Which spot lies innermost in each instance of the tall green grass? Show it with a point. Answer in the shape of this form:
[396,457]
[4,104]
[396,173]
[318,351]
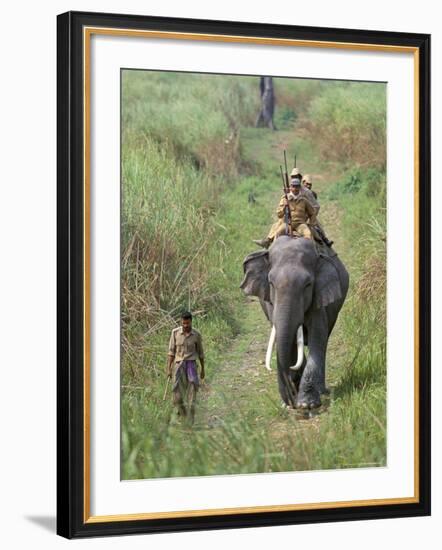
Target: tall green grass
[361,385]
[196,116]
[347,122]
[180,150]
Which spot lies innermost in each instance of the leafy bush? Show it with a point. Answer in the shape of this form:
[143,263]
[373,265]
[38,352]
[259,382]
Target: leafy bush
[284,117]
[371,182]
[348,124]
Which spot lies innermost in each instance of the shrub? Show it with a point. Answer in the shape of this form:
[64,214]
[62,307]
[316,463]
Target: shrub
[371,182]
[348,124]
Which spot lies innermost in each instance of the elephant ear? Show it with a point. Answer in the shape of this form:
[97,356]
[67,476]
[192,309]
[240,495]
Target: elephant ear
[327,284]
[256,270]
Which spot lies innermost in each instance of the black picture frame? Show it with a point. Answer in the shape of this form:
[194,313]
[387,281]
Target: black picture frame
[71,518]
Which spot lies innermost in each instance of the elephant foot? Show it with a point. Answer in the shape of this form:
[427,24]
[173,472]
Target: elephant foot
[308,400]
[324,390]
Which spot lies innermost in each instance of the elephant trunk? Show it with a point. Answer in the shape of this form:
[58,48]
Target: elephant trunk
[284,343]
[286,329]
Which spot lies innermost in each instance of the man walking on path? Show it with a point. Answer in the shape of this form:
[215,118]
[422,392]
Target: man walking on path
[185,347]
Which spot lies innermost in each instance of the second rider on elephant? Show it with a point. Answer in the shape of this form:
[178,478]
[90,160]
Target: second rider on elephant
[301,211]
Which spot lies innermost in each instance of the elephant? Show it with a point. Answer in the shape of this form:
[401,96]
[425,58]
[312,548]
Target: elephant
[301,292]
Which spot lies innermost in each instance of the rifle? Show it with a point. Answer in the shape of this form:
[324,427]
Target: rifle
[286,175]
[287,213]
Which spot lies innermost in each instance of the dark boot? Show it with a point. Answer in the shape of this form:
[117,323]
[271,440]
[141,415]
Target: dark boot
[322,235]
[327,242]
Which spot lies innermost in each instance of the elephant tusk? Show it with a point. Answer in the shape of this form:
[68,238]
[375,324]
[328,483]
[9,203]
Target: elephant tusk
[270,347]
[300,340]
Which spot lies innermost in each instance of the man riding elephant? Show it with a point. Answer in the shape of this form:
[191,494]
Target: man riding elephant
[301,213]
[305,191]
[307,182]
[312,197]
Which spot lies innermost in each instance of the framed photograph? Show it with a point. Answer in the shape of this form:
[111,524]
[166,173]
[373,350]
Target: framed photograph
[243,274]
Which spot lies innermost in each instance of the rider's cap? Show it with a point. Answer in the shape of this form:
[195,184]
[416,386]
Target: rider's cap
[307,179]
[295,172]
[295,182]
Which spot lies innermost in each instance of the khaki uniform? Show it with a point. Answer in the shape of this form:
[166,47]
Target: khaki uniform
[313,199]
[308,194]
[316,229]
[301,211]
[308,181]
[185,346]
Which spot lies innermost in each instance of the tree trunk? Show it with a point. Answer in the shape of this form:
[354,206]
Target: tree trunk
[265,117]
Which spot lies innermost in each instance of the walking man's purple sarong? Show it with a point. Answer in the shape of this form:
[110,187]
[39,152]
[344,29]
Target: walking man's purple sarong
[186,372]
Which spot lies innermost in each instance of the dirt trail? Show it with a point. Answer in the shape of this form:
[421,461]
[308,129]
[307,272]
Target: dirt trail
[241,386]
[241,375]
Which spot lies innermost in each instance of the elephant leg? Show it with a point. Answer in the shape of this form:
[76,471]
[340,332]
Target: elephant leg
[321,370]
[313,378]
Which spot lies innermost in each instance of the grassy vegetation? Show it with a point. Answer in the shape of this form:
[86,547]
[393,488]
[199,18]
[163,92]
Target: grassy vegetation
[361,388]
[191,160]
[180,151]
[348,123]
